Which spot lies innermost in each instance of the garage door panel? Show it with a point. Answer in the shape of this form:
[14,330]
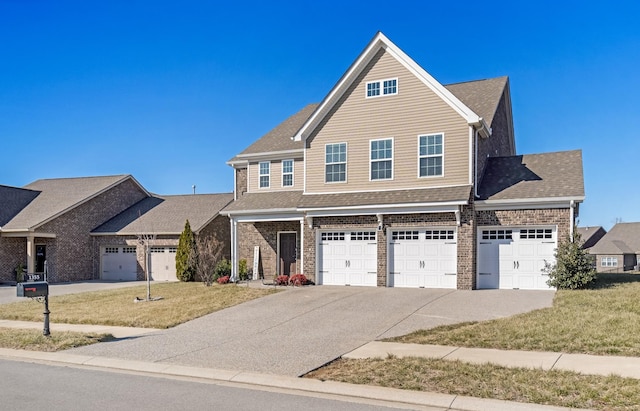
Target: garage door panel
[348,258]
[119,263]
[422,258]
[514,257]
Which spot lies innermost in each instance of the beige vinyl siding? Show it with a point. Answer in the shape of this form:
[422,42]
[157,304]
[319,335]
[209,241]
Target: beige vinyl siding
[414,111]
[275,180]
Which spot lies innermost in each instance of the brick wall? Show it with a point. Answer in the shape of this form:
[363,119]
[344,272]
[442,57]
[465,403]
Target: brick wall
[264,235]
[70,255]
[559,217]
[241,181]
[13,251]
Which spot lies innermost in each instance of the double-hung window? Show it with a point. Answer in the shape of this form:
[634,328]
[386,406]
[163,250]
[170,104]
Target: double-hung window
[430,154]
[381,158]
[265,167]
[287,173]
[335,163]
[382,87]
[609,262]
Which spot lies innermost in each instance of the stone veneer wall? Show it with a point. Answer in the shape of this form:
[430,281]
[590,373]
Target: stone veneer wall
[264,235]
[70,255]
[241,181]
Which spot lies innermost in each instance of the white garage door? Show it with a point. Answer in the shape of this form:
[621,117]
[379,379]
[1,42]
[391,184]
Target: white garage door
[347,258]
[423,258]
[118,263]
[515,257]
[163,263]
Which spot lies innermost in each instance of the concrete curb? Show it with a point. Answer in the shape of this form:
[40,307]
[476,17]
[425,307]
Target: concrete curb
[252,379]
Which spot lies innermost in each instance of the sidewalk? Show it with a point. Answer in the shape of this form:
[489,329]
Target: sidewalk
[292,385]
[117,332]
[581,363]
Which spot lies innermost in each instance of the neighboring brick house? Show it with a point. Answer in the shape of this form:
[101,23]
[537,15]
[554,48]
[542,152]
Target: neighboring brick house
[75,226]
[619,249]
[396,180]
[590,236]
[160,220]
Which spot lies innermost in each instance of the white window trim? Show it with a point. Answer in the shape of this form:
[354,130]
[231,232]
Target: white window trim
[610,262]
[260,175]
[381,87]
[291,173]
[371,161]
[430,156]
[346,161]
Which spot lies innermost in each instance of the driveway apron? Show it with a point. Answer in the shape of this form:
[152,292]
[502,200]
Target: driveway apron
[300,329]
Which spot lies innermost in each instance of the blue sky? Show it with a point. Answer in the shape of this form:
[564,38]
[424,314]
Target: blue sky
[169,91]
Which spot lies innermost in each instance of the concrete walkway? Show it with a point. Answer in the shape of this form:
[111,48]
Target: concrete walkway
[581,363]
[117,332]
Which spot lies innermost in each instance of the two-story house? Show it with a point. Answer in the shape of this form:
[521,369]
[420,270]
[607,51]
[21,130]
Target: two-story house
[396,180]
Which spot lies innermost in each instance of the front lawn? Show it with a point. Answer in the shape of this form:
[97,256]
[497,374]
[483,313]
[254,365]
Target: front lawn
[559,388]
[602,321]
[180,303]
[33,340]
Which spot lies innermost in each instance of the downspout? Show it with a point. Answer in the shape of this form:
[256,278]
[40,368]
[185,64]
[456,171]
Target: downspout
[475,166]
[572,206]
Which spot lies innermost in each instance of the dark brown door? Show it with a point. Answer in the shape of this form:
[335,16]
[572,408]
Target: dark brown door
[288,253]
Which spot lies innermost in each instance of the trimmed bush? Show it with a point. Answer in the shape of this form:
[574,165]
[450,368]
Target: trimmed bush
[573,268]
[282,280]
[223,280]
[223,269]
[298,280]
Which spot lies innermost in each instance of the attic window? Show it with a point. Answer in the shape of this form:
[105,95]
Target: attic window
[382,87]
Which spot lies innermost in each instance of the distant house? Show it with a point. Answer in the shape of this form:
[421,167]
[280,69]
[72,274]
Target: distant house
[619,249]
[87,228]
[590,235]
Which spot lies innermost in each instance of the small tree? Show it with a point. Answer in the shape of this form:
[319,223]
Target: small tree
[186,255]
[573,268]
[209,251]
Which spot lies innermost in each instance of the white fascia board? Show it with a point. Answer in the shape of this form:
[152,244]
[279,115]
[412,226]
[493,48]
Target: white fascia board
[377,209]
[238,163]
[378,42]
[524,203]
[270,211]
[253,218]
[26,233]
[272,155]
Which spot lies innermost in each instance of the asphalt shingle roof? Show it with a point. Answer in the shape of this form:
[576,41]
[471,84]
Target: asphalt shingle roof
[623,238]
[415,196]
[275,200]
[481,96]
[533,176]
[166,214]
[12,201]
[56,196]
[590,235]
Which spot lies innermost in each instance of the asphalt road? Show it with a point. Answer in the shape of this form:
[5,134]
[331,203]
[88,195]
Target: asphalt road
[300,329]
[29,386]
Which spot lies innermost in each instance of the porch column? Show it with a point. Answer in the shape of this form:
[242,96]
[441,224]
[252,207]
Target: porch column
[31,254]
[234,249]
[301,266]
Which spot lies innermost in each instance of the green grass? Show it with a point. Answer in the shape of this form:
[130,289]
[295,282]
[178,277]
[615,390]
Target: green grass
[602,321]
[180,302]
[33,340]
[559,388]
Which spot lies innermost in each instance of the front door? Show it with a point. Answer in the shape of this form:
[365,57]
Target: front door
[288,257]
[41,257]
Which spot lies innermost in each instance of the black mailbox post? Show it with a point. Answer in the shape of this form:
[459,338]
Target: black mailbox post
[39,289]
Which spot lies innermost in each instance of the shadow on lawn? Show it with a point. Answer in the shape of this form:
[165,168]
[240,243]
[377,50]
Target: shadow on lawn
[609,280]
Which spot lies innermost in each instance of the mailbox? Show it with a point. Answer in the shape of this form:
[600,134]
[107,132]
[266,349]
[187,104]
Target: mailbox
[33,289]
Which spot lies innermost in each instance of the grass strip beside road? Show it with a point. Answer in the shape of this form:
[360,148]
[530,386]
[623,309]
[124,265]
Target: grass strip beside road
[559,388]
[601,321]
[181,302]
[33,340]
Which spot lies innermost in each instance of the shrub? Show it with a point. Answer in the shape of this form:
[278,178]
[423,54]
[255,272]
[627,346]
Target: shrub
[298,280]
[186,255]
[223,269]
[242,269]
[573,268]
[223,280]
[282,280]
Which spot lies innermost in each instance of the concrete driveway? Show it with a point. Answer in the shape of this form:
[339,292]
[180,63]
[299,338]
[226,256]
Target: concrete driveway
[300,329]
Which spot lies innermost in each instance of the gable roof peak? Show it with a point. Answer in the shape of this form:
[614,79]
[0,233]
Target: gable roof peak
[378,42]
